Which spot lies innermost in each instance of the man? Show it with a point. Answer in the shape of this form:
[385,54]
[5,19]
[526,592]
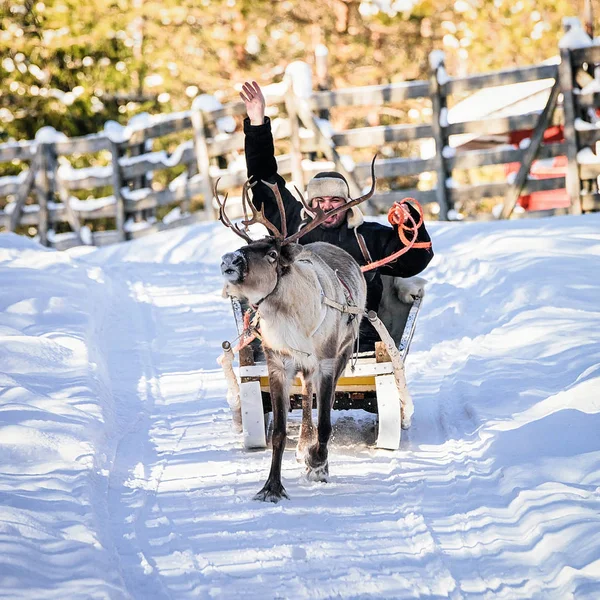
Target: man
[364,241]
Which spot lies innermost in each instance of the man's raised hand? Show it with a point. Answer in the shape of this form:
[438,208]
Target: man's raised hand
[254,100]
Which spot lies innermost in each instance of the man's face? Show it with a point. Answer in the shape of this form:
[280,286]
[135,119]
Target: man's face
[328,203]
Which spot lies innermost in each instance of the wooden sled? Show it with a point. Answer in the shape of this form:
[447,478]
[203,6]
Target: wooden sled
[375,382]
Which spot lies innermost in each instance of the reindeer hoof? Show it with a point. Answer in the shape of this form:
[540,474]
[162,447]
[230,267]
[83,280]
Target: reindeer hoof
[318,474]
[271,492]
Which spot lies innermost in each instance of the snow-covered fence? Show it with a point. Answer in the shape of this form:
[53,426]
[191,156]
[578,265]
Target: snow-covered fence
[207,146]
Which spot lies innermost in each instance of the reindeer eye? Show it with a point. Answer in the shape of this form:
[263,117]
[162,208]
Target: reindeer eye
[272,255]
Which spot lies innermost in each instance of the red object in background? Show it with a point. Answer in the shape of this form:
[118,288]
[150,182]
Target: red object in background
[542,169]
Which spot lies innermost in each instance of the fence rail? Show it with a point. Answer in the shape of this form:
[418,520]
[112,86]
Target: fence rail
[126,189]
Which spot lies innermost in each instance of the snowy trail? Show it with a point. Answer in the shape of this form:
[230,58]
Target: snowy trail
[495,492]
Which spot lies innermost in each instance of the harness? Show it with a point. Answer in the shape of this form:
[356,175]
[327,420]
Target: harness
[251,329]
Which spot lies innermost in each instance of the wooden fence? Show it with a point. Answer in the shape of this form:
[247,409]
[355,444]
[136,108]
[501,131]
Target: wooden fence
[42,199]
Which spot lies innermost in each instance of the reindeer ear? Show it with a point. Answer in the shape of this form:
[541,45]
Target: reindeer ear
[289,252]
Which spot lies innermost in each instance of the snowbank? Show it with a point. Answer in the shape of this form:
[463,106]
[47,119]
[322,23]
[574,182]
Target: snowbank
[122,477]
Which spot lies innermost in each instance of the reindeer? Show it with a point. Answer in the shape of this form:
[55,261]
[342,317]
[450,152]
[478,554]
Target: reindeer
[310,300]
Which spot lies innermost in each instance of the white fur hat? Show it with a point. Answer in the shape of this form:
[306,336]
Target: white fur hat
[331,183]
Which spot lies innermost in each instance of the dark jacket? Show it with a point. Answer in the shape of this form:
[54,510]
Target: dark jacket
[381,240]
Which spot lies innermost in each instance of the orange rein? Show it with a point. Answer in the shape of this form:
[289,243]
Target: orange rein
[397,216]
[249,334]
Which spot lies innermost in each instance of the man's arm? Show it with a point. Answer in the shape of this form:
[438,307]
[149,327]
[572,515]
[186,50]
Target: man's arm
[383,241]
[260,159]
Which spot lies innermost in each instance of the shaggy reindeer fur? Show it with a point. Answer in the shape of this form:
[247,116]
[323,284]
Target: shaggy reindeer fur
[300,334]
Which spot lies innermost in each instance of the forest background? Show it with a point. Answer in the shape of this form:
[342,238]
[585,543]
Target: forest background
[74,64]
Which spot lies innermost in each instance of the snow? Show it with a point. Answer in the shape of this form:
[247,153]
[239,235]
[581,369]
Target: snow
[300,75]
[444,117]
[587,157]
[68,173]
[209,103]
[581,125]
[160,157]
[49,135]
[121,476]
[436,59]
[575,37]
[593,87]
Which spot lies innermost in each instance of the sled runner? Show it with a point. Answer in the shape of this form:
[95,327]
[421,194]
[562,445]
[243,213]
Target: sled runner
[372,381]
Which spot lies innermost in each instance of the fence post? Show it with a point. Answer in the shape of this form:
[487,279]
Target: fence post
[322,74]
[299,78]
[24,190]
[117,183]
[44,179]
[439,123]
[203,159]
[566,78]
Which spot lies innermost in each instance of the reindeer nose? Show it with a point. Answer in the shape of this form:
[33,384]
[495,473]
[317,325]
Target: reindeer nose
[232,263]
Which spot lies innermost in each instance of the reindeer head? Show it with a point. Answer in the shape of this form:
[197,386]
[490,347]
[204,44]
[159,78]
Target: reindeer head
[254,270]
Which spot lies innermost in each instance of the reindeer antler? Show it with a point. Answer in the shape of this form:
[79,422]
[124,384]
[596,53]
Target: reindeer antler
[258,216]
[223,215]
[321,215]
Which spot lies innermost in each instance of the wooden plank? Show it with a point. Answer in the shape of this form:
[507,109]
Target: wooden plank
[489,190]
[43,192]
[384,200]
[22,194]
[590,202]
[87,144]
[530,153]
[235,109]
[11,184]
[70,215]
[203,161]
[232,143]
[458,85]
[91,177]
[17,151]
[291,107]
[587,137]
[174,123]
[154,198]
[544,185]
[536,214]
[395,167]
[155,161]
[4,220]
[566,78]
[585,55]
[371,95]
[590,100]
[589,170]
[470,159]
[492,125]
[363,137]
[197,217]
[58,212]
[117,184]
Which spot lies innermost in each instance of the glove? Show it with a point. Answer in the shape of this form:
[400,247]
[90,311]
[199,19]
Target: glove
[398,213]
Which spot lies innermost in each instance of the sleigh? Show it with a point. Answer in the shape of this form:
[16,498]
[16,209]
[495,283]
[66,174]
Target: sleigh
[373,382]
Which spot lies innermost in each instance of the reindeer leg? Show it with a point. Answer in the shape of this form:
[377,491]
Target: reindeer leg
[281,371]
[307,429]
[316,461]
